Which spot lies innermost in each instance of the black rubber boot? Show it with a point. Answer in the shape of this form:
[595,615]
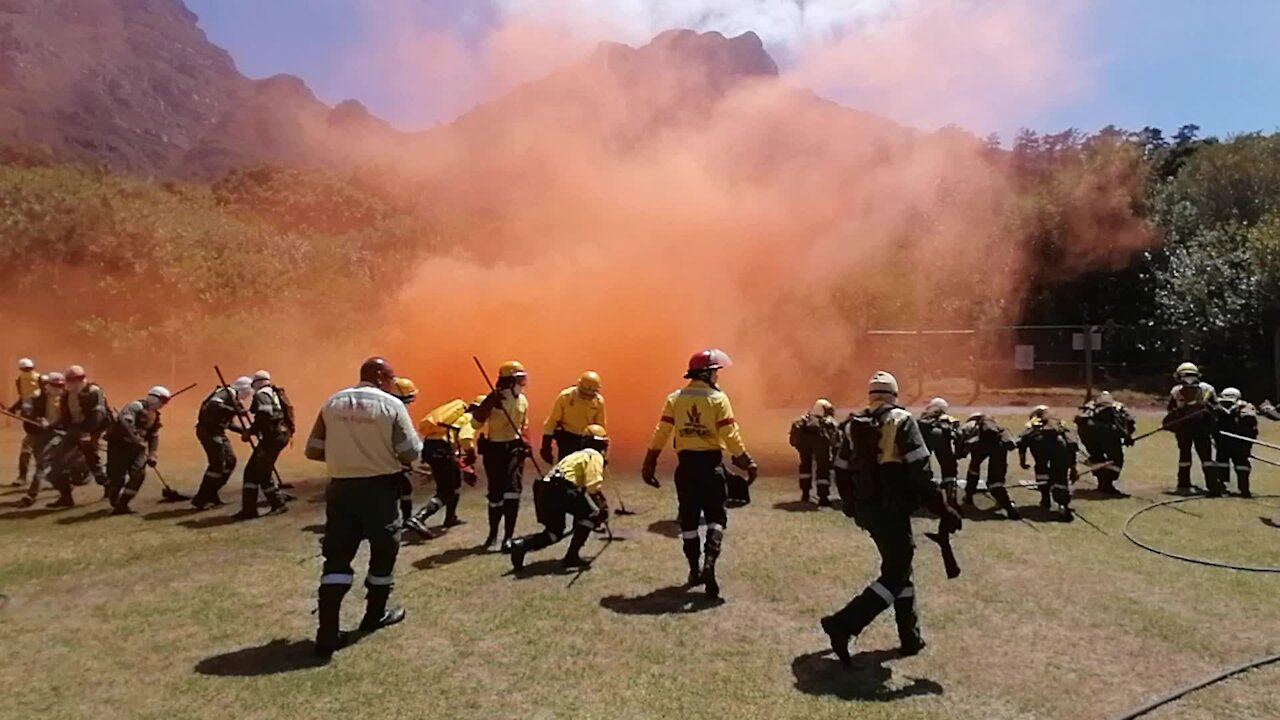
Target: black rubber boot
[121,508]
[26,501]
[573,556]
[329,637]
[693,553]
[709,580]
[839,638]
[804,496]
[416,525]
[451,518]
[510,514]
[1242,479]
[376,613]
[495,518]
[518,550]
[64,501]
[248,505]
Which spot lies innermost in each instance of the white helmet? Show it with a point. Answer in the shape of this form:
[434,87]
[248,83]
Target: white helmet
[1231,395]
[160,392]
[260,378]
[26,364]
[822,408]
[883,383]
[939,404]
[1105,399]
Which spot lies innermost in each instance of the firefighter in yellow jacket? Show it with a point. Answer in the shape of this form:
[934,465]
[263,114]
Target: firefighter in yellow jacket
[575,487]
[449,449]
[576,409]
[28,386]
[504,418]
[702,421]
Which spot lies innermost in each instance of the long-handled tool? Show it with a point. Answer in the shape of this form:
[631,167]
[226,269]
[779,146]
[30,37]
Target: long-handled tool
[607,542]
[168,494]
[19,418]
[514,428]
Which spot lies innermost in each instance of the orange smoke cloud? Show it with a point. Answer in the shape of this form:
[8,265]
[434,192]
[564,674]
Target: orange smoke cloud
[646,204]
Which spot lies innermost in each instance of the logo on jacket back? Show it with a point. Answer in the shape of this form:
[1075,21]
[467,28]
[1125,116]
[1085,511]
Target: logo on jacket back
[694,426]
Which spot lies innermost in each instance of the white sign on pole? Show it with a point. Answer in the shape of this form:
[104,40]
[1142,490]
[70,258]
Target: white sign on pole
[1024,357]
[1077,341]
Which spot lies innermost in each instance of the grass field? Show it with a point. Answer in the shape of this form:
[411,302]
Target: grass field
[177,614]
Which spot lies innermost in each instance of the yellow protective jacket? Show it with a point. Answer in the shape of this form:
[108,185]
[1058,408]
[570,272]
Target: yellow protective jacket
[497,428]
[701,418]
[450,422]
[28,384]
[584,468]
[573,413]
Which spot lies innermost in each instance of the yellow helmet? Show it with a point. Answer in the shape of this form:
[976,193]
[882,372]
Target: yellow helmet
[596,438]
[1186,368]
[448,414]
[589,383]
[512,368]
[403,388]
[479,399]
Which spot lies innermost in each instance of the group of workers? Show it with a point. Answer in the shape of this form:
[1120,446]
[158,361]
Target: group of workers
[67,419]
[879,460]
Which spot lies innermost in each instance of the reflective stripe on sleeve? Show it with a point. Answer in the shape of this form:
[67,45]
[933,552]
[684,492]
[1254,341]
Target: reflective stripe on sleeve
[511,496]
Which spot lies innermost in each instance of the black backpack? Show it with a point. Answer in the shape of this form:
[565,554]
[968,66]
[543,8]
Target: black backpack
[286,407]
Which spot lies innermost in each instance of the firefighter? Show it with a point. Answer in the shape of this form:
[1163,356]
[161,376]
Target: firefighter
[702,421]
[813,435]
[27,385]
[503,415]
[576,408]
[1235,416]
[1106,428]
[1268,411]
[83,418]
[1190,404]
[575,486]
[272,424]
[982,439]
[940,432]
[365,437]
[46,409]
[883,458]
[1054,449]
[132,443]
[217,411]
[404,390]
[449,449]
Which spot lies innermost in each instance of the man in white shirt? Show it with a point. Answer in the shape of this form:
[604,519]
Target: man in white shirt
[365,437]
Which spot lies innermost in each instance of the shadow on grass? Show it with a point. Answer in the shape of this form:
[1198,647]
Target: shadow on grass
[87,517]
[314,528]
[14,490]
[665,528]
[171,514]
[1194,491]
[796,506]
[541,568]
[210,521]
[449,557]
[673,600]
[867,678]
[29,513]
[275,657]
[1269,522]
[1092,494]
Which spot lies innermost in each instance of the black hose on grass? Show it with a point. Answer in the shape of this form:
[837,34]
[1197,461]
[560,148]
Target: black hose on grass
[1199,685]
[1187,558]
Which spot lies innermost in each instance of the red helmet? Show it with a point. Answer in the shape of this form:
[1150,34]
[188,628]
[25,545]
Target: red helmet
[710,359]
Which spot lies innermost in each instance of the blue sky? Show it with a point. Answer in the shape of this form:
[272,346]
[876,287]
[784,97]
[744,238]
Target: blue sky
[1149,62]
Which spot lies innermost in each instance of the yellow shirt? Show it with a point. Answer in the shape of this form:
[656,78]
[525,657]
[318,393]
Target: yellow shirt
[585,469]
[499,429]
[52,408]
[702,419]
[28,384]
[573,413]
[451,422]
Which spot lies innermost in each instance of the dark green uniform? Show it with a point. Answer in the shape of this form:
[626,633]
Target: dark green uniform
[216,413]
[1105,429]
[75,438]
[1238,418]
[1054,449]
[882,468]
[132,442]
[984,440]
[941,432]
[271,426]
[1189,406]
[814,439]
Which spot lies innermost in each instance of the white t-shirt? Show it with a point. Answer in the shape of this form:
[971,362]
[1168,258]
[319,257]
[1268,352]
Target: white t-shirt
[363,432]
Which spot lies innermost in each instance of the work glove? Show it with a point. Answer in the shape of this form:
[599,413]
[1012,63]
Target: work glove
[649,471]
[949,519]
[469,477]
[753,472]
[547,455]
[246,436]
[1128,441]
[469,457]
[151,462]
